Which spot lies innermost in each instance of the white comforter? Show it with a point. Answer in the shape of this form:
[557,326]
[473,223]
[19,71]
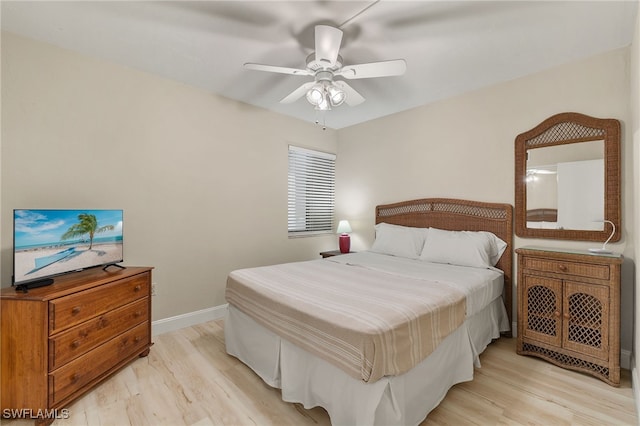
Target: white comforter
[480,286]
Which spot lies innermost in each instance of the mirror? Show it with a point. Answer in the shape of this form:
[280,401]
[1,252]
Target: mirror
[556,180]
[568,179]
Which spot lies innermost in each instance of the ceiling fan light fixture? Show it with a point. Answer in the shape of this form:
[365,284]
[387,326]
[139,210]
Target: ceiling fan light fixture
[315,95]
[336,95]
[324,104]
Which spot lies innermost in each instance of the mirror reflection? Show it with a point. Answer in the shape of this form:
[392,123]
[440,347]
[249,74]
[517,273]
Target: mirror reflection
[565,186]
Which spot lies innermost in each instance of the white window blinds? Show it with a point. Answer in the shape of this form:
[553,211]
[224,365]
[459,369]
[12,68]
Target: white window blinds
[311,191]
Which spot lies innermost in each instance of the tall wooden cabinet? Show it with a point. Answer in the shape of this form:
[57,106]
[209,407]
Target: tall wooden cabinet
[569,309]
[59,341]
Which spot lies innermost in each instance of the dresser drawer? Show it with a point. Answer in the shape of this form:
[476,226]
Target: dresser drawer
[74,342]
[568,268]
[68,311]
[82,371]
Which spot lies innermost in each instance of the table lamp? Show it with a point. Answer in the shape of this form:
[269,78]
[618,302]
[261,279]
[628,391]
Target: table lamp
[345,241]
[604,249]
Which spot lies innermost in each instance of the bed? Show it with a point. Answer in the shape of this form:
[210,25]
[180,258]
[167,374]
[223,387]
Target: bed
[543,218]
[379,337]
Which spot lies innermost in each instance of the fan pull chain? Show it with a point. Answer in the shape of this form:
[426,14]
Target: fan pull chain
[319,115]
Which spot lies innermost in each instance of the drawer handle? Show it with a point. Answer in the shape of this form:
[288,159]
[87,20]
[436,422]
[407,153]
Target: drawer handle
[76,310]
[137,288]
[75,378]
[136,339]
[102,323]
[137,314]
[563,268]
[75,344]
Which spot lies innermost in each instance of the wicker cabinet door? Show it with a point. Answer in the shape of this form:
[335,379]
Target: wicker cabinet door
[586,312]
[543,309]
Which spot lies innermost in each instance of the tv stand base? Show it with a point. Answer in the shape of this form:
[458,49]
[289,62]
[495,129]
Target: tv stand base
[34,284]
[113,264]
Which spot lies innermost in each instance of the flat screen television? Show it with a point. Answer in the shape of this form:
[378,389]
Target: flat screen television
[47,243]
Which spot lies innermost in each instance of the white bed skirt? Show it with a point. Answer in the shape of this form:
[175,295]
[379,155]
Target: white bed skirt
[398,400]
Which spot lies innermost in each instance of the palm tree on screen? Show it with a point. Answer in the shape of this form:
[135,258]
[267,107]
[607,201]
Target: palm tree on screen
[88,224]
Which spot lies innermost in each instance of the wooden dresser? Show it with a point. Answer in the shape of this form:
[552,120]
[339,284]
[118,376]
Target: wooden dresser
[59,341]
[569,309]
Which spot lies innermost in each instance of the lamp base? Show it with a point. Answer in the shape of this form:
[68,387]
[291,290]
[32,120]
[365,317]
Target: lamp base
[600,251]
[345,243]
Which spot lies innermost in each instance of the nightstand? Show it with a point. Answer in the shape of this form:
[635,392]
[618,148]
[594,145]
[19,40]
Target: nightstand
[331,253]
[569,309]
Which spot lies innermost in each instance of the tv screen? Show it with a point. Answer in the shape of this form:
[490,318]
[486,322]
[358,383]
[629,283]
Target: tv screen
[53,242]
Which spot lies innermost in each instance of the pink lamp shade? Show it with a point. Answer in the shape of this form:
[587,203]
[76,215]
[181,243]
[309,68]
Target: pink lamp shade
[344,241]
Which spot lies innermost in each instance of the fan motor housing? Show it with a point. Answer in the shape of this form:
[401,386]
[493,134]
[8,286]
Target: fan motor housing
[318,66]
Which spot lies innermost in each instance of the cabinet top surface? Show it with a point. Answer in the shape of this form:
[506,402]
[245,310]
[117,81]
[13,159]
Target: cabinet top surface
[534,249]
[72,282]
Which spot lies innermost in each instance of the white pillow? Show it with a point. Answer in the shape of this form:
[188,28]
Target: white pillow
[480,249]
[396,240]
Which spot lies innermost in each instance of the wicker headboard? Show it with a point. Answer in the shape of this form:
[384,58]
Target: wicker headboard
[459,215]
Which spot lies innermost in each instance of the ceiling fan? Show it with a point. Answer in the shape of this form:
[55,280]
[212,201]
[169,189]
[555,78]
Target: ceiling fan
[326,63]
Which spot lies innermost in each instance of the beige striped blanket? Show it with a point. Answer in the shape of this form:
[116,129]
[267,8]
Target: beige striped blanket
[368,323]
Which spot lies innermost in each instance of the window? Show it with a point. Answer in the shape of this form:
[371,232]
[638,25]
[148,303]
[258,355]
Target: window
[311,187]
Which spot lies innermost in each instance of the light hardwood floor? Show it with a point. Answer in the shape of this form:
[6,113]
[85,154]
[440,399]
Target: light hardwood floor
[188,379]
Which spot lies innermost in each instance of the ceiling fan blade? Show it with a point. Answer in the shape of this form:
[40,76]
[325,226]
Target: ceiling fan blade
[353,98]
[374,69]
[328,40]
[273,68]
[298,93]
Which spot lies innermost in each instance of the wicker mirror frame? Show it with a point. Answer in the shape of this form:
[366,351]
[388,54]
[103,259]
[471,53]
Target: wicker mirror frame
[562,129]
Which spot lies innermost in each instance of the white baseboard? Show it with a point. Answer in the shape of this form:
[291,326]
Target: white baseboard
[187,320]
[625,359]
[198,317]
[635,385]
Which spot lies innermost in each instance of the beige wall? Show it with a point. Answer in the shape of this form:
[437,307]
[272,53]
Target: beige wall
[463,147]
[202,179]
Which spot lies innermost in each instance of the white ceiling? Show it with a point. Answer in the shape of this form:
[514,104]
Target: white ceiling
[450,47]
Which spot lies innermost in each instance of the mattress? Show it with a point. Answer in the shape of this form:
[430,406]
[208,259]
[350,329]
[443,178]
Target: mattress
[371,315]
